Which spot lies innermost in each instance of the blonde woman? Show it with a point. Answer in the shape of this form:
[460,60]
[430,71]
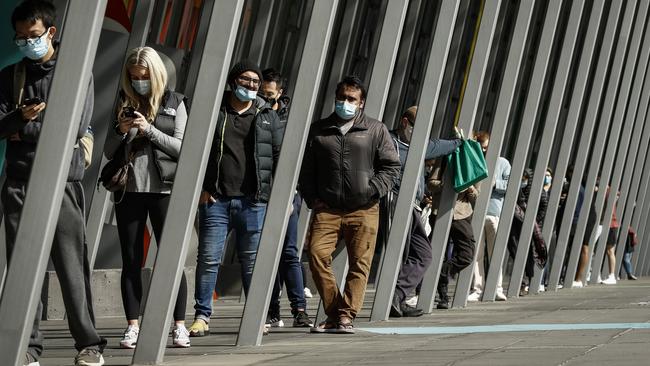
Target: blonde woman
[152,120]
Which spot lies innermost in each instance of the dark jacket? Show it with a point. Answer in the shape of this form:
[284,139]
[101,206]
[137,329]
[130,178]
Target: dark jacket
[20,154]
[348,171]
[283,109]
[268,141]
[166,163]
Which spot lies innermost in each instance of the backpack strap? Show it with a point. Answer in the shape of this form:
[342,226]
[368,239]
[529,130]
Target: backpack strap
[20,75]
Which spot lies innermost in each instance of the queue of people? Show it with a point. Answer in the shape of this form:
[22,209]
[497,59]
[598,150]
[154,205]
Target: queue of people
[351,163]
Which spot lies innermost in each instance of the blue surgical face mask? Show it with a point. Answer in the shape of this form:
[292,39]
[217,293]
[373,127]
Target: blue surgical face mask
[245,95]
[345,110]
[142,87]
[547,180]
[36,49]
[523,184]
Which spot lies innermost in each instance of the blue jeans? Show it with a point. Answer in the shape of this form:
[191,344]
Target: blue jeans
[216,219]
[290,271]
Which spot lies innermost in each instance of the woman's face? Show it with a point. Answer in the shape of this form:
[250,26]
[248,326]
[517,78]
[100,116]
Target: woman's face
[137,72]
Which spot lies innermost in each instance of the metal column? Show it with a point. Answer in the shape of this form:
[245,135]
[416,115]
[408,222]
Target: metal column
[575,108]
[42,204]
[192,162]
[626,152]
[415,159]
[533,104]
[342,55]
[497,134]
[641,203]
[612,142]
[548,135]
[101,200]
[261,31]
[468,115]
[383,66]
[634,169]
[586,140]
[295,139]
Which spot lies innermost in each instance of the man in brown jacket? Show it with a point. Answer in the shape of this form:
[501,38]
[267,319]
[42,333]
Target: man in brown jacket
[460,232]
[350,163]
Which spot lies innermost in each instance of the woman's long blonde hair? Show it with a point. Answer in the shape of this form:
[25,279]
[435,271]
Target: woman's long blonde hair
[149,58]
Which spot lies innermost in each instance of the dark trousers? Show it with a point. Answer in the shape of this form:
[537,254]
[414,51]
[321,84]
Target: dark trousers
[131,215]
[290,271]
[462,254]
[417,258]
[69,256]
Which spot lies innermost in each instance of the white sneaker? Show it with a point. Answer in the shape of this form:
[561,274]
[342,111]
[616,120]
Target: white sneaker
[474,296]
[130,337]
[577,284]
[600,279]
[542,288]
[180,337]
[412,301]
[308,293]
[610,280]
[500,296]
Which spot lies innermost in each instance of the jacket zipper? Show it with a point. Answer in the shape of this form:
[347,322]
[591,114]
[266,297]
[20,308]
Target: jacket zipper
[223,131]
[341,170]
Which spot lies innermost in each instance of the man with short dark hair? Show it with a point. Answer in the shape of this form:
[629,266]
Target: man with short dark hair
[24,91]
[350,163]
[237,184]
[290,270]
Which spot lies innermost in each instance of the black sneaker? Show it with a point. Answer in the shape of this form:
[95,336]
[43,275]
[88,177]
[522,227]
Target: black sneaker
[89,357]
[30,360]
[410,311]
[301,320]
[273,321]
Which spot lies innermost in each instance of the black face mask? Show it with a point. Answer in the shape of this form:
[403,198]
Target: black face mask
[271,101]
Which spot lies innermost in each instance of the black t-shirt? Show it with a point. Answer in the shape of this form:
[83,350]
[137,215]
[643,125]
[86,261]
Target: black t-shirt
[237,170]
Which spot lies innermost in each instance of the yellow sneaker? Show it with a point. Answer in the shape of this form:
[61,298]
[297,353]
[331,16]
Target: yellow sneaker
[199,328]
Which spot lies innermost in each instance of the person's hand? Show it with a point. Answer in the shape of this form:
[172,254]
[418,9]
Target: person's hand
[458,133]
[206,197]
[427,200]
[30,112]
[124,123]
[140,122]
[15,137]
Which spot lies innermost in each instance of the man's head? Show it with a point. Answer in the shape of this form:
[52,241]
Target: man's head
[33,22]
[272,86]
[483,138]
[244,79]
[406,123]
[350,97]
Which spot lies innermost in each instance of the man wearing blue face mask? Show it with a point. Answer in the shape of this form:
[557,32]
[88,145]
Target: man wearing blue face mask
[237,184]
[24,90]
[350,163]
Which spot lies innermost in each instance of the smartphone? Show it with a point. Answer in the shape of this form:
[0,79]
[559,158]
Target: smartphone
[32,101]
[129,112]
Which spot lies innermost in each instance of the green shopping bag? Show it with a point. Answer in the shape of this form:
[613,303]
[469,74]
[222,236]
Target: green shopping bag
[469,165]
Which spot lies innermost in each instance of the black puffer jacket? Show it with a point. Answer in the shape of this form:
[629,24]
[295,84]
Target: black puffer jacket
[20,153]
[268,140]
[348,171]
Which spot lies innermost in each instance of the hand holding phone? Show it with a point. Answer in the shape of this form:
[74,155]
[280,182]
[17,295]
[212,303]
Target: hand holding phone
[31,108]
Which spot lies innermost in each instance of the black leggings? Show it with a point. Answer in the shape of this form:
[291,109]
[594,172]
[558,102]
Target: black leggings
[131,215]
